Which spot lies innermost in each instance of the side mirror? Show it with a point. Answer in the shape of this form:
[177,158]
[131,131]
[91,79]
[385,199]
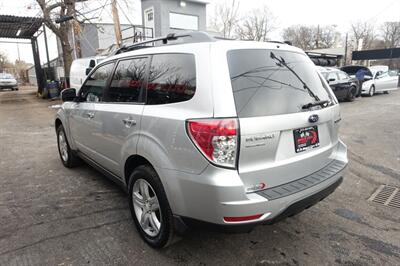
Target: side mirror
[92,63]
[68,95]
[88,70]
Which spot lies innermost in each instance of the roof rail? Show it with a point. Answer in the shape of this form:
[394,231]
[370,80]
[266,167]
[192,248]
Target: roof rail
[281,42]
[192,37]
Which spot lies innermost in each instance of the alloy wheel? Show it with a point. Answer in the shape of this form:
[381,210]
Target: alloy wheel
[147,207]
[372,91]
[63,146]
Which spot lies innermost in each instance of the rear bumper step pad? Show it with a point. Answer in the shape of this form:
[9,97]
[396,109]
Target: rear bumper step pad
[303,183]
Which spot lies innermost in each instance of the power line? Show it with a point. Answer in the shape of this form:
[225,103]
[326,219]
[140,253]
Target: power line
[98,8]
[123,12]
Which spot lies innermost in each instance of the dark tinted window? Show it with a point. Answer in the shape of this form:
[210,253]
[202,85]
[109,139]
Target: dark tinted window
[264,85]
[172,78]
[127,81]
[93,88]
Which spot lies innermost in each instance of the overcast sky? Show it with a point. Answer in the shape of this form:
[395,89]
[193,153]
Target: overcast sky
[287,12]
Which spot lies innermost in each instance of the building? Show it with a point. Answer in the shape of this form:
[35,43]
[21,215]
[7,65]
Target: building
[166,16]
[159,17]
[98,36]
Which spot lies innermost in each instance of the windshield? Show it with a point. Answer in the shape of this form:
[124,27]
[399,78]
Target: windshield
[6,76]
[272,83]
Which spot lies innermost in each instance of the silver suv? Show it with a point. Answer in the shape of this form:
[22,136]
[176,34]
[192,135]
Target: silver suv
[203,131]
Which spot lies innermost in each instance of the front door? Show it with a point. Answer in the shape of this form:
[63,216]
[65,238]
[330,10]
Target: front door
[82,118]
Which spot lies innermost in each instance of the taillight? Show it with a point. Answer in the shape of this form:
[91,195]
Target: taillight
[217,139]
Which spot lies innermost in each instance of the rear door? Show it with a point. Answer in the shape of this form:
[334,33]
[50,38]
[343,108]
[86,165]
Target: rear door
[119,115]
[394,79]
[280,140]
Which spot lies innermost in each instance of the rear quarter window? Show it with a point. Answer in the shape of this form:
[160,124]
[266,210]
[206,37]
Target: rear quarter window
[172,78]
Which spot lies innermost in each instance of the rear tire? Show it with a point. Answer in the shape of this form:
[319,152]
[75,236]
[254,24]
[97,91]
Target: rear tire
[371,91]
[150,210]
[68,158]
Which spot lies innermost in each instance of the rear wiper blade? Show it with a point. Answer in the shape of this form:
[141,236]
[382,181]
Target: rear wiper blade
[317,103]
[281,62]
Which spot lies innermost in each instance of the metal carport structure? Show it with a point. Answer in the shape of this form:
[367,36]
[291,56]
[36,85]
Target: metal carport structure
[390,53]
[16,27]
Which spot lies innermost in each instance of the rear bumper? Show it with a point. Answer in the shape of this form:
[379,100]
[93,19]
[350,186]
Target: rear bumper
[291,210]
[217,193]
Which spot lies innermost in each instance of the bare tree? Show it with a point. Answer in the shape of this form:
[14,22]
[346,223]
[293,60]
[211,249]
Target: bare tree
[327,36]
[365,31]
[226,18]
[311,37]
[62,8]
[391,34]
[4,63]
[300,36]
[257,25]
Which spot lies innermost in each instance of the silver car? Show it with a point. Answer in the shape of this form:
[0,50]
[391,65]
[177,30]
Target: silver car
[383,81]
[203,131]
[7,81]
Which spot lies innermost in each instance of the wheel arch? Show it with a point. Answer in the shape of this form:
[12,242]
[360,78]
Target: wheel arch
[57,123]
[133,162]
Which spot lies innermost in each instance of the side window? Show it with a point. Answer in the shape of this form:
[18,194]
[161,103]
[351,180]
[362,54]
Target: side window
[383,75]
[93,88]
[127,81]
[172,78]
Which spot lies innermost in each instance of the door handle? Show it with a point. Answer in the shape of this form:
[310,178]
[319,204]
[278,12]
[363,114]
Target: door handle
[128,122]
[90,115]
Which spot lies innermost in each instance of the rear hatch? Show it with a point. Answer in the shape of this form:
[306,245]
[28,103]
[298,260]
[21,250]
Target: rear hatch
[286,113]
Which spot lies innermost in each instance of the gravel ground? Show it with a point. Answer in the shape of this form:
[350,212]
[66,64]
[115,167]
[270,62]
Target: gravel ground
[50,215]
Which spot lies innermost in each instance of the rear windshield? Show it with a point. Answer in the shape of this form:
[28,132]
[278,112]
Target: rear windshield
[270,82]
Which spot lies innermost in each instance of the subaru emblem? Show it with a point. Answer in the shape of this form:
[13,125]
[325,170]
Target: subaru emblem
[313,118]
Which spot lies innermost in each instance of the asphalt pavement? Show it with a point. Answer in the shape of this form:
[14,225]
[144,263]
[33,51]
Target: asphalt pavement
[50,215]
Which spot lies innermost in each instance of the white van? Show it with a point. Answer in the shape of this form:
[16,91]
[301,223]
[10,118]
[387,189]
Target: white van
[80,68]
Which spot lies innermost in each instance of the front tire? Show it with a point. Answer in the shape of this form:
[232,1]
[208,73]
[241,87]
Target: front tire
[371,91]
[67,156]
[351,94]
[150,208]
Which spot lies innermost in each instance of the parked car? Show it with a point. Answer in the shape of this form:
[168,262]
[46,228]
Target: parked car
[378,70]
[80,68]
[382,82]
[344,86]
[225,133]
[7,81]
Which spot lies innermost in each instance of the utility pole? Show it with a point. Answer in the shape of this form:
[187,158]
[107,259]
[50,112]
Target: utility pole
[19,57]
[117,26]
[345,50]
[45,44]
